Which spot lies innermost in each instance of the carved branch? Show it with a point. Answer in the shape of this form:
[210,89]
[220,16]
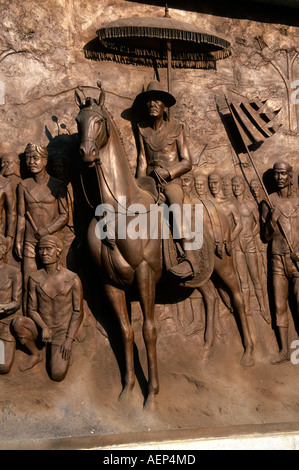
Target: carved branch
[9,52]
[291,55]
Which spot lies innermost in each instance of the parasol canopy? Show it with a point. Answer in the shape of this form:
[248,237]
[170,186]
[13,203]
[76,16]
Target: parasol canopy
[140,40]
[159,42]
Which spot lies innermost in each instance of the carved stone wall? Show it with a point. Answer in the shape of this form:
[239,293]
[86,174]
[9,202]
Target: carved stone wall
[42,61]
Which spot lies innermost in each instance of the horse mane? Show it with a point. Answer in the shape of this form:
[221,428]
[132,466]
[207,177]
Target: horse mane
[116,128]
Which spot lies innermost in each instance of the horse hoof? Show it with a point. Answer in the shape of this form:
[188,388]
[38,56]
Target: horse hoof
[247,360]
[150,404]
[126,395]
[279,358]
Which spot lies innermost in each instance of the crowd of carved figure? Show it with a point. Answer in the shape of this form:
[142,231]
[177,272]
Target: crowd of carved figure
[41,302]
[264,238]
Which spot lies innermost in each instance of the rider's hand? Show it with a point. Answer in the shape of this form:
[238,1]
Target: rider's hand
[163,173]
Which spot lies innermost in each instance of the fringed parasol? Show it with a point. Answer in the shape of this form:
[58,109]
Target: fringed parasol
[159,42]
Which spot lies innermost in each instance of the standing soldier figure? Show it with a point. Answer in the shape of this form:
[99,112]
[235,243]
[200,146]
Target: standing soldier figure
[280,227]
[42,209]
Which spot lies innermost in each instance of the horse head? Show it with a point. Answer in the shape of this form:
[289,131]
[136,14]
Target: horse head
[92,125]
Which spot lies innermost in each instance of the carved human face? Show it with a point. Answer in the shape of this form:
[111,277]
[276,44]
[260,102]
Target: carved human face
[214,185]
[35,162]
[282,177]
[238,187]
[155,108]
[48,254]
[255,188]
[200,186]
[226,187]
[187,184]
[10,165]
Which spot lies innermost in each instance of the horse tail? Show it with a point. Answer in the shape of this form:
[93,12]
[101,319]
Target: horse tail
[220,237]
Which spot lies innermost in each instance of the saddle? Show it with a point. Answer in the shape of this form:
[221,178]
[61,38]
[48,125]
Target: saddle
[204,257]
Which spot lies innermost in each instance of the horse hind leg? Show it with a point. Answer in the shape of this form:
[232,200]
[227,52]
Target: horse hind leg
[209,299]
[147,287]
[117,299]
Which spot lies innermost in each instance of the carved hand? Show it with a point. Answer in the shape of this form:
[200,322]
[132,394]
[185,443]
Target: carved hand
[41,233]
[66,348]
[295,256]
[9,241]
[8,308]
[275,213]
[163,173]
[46,335]
[19,249]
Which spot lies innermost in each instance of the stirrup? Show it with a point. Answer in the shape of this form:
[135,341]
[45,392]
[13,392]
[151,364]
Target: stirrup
[183,271]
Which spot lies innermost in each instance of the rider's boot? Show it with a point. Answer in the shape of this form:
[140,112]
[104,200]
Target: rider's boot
[188,267]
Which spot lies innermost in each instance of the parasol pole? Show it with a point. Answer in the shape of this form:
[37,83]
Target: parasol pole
[260,179]
[168,66]
[168,45]
[168,49]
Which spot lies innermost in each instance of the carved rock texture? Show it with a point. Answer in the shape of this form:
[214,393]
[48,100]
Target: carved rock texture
[42,61]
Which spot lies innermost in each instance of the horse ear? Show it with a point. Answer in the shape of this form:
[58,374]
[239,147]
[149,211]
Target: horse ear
[102,95]
[78,99]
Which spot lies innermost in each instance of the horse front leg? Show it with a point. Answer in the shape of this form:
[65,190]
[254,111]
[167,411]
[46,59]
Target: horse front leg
[117,299]
[147,289]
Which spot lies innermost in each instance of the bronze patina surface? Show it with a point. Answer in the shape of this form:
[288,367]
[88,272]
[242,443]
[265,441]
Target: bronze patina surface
[108,337]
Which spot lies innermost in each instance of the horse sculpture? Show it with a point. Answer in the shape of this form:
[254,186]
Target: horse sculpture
[126,262]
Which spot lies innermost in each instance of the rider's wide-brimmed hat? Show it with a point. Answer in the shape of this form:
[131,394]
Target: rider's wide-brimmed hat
[155,91]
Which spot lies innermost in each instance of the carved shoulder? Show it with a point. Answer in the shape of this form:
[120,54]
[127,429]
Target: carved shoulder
[4,182]
[38,276]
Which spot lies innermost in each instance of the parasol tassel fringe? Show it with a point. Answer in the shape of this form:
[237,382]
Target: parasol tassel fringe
[104,56]
[165,33]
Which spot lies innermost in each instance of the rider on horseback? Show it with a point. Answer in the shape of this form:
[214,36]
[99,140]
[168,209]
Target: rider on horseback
[164,156]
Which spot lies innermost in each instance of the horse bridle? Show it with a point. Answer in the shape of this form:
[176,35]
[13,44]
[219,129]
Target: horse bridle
[103,119]
[98,165]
